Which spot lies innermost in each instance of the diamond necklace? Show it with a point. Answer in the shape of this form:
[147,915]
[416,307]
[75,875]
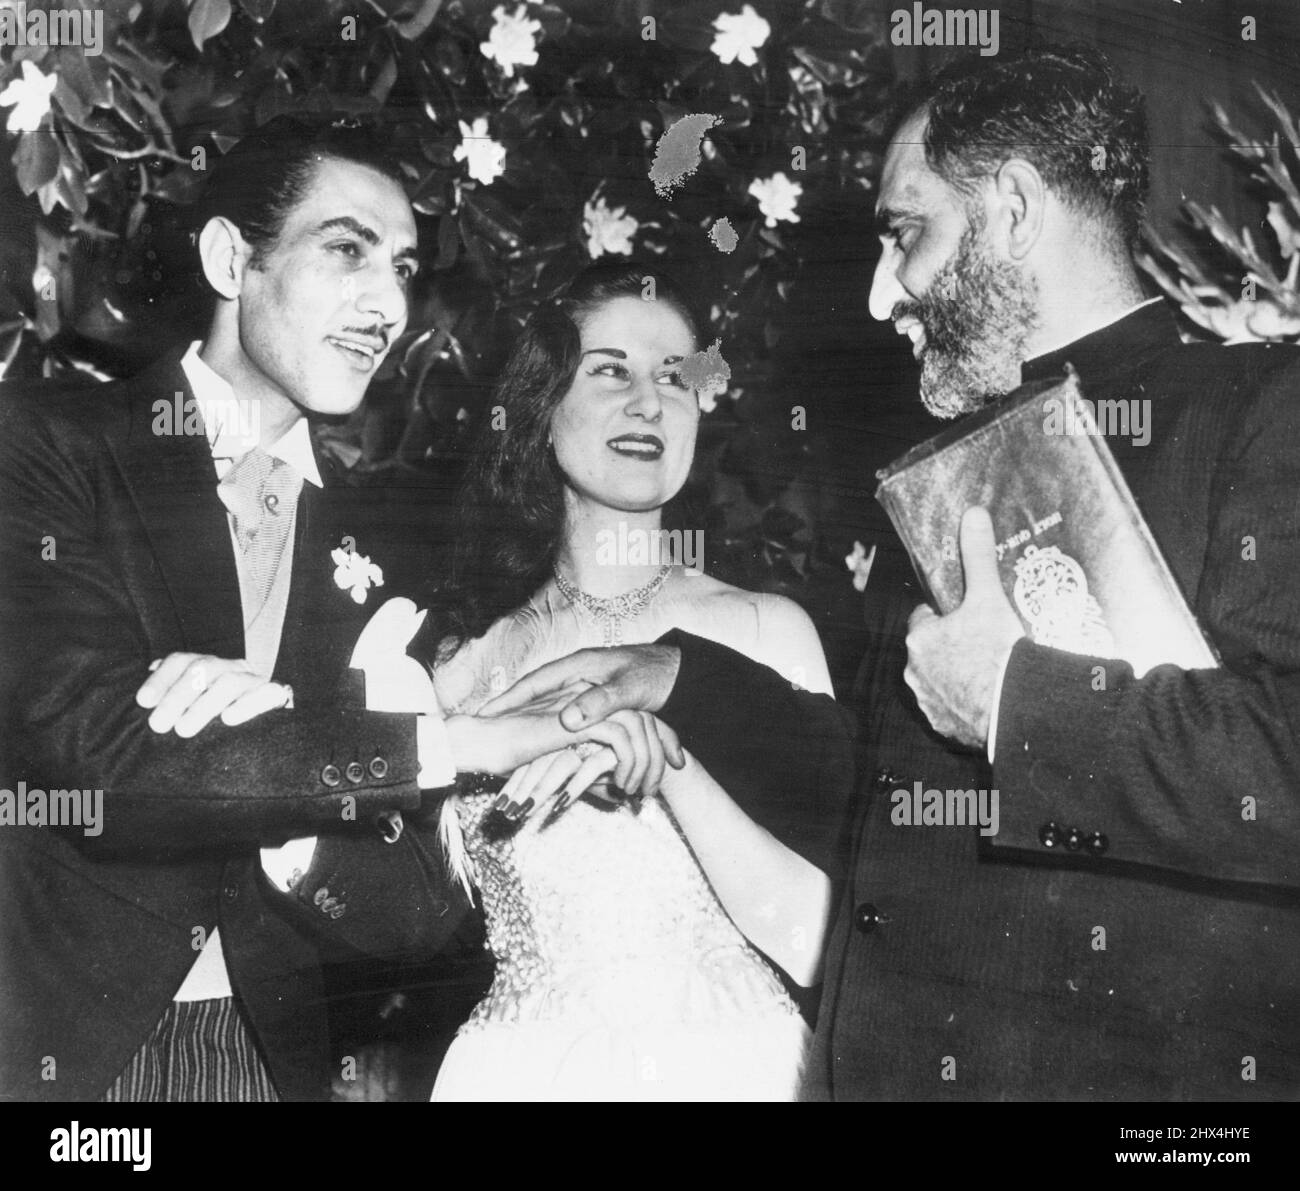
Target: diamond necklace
[614,610]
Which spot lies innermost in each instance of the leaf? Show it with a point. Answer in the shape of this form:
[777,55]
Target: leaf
[493,221]
[139,209]
[258,10]
[555,21]
[411,24]
[87,75]
[855,16]
[384,83]
[432,196]
[71,186]
[36,160]
[70,102]
[449,59]
[448,243]
[207,19]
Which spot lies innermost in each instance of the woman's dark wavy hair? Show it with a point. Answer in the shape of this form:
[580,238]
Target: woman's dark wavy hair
[1052,105]
[510,509]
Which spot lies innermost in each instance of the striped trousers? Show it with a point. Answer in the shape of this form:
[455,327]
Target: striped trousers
[198,1051]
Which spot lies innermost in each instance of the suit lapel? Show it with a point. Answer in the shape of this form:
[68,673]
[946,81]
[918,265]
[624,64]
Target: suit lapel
[322,622]
[170,476]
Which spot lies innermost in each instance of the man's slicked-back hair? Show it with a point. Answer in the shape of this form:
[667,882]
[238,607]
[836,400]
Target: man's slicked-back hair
[263,177]
[1062,109]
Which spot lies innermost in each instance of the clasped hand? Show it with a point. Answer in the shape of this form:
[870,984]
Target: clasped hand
[598,698]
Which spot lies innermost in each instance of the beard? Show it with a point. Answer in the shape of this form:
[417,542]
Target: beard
[978,314]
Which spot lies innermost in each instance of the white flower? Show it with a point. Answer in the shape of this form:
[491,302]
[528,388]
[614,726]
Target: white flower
[512,41]
[30,98]
[777,197]
[355,573]
[859,562]
[709,397]
[608,229]
[484,158]
[739,35]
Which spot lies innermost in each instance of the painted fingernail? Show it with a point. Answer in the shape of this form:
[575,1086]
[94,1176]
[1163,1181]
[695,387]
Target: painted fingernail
[528,806]
[501,803]
[561,803]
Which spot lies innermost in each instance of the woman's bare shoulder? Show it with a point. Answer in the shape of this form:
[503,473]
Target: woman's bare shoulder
[768,628]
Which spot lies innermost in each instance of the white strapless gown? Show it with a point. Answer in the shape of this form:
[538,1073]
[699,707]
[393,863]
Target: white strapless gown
[619,976]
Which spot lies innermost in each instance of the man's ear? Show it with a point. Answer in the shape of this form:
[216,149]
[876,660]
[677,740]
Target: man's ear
[1019,201]
[224,255]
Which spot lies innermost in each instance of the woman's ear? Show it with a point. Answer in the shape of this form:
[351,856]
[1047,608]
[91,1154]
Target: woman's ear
[224,256]
[1019,200]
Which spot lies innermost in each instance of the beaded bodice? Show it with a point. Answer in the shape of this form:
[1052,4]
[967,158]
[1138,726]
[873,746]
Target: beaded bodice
[605,916]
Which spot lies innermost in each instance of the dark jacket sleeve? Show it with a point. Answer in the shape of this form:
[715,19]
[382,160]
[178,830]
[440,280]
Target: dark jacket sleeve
[382,896]
[1196,771]
[73,652]
[785,755]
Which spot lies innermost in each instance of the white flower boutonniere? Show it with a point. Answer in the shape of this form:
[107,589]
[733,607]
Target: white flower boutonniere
[859,562]
[355,573]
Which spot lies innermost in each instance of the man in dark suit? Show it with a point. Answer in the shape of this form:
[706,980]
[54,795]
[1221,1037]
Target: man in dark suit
[1133,929]
[163,946]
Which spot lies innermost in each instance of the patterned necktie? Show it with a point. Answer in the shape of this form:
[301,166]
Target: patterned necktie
[261,493]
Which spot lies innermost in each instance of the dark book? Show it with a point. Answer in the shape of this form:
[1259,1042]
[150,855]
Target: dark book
[1077,560]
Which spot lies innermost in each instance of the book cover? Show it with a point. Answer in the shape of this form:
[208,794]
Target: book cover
[1077,559]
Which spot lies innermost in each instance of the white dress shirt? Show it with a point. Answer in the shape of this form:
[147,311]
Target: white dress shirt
[232,429]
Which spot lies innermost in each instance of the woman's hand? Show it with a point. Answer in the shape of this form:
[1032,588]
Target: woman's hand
[503,743]
[637,758]
[187,691]
[572,771]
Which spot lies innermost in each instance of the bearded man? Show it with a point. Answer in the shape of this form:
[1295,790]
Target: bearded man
[1131,930]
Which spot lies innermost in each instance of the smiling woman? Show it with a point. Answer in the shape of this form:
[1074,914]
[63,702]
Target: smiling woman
[621,913]
[592,408]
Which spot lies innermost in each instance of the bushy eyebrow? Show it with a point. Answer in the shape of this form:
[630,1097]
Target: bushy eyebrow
[361,231]
[888,217]
[347,223]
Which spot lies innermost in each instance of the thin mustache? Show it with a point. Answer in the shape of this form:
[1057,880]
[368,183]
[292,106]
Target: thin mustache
[380,333]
